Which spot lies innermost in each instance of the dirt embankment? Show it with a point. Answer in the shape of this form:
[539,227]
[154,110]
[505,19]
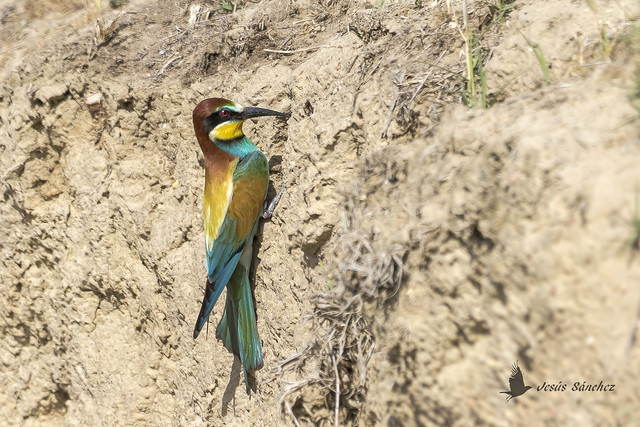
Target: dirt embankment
[421,247]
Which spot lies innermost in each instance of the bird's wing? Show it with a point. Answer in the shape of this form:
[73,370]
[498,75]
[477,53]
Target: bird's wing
[250,179]
[234,214]
[516,380]
[250,183]
[219,230]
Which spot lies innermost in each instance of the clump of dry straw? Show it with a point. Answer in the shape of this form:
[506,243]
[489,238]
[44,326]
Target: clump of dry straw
[334,363]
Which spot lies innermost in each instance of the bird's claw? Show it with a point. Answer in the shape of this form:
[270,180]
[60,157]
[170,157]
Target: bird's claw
[268,213]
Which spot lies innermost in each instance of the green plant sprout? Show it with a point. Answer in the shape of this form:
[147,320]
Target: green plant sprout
[537,51]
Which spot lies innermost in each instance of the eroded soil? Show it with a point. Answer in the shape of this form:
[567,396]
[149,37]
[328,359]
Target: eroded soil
[451,240]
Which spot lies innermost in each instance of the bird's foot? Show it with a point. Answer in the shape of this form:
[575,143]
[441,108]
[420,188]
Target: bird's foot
[268,213]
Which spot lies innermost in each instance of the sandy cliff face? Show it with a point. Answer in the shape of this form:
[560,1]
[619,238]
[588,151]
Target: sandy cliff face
[421,246]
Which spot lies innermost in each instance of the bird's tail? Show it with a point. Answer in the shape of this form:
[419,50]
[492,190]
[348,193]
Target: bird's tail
[508,397]
[212,292]
[237,329]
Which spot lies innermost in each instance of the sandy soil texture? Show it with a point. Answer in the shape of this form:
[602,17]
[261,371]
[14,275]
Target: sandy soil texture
[422,245]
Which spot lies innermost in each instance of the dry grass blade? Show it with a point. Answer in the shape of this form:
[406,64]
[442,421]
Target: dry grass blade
[104,31]
[306,49]
[435,64]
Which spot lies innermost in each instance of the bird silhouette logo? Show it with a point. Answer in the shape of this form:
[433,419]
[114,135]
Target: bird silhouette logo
[516,383]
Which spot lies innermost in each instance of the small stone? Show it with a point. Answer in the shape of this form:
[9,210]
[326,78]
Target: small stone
[51,93]
[94,102]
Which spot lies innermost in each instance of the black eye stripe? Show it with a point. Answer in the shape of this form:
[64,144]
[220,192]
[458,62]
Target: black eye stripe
[214,119]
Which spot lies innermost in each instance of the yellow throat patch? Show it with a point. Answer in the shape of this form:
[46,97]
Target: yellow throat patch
[227,131]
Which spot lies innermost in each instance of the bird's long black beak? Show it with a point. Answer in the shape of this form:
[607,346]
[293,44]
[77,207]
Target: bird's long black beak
[251,112]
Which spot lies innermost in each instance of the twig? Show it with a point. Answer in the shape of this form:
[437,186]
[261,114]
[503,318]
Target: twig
[179,33]
[335,368]
[426,77]
[594,64]
[633,335]
[169,62]
[284,43]
[393,107]
[306,49]
[295,357]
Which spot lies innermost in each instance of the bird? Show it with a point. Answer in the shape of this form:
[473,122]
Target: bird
[516,383]
[235,189]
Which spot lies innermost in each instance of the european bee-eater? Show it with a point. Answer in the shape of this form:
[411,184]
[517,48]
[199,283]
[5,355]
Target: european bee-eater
[236,182]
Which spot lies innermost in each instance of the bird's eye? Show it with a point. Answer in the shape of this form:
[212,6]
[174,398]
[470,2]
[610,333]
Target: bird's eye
[224,113]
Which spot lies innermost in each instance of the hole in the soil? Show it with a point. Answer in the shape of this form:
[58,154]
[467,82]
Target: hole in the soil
[210,62]
[126,104]
[61,398]
[308,108]
[312,249]
[480,240]
[37,125]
